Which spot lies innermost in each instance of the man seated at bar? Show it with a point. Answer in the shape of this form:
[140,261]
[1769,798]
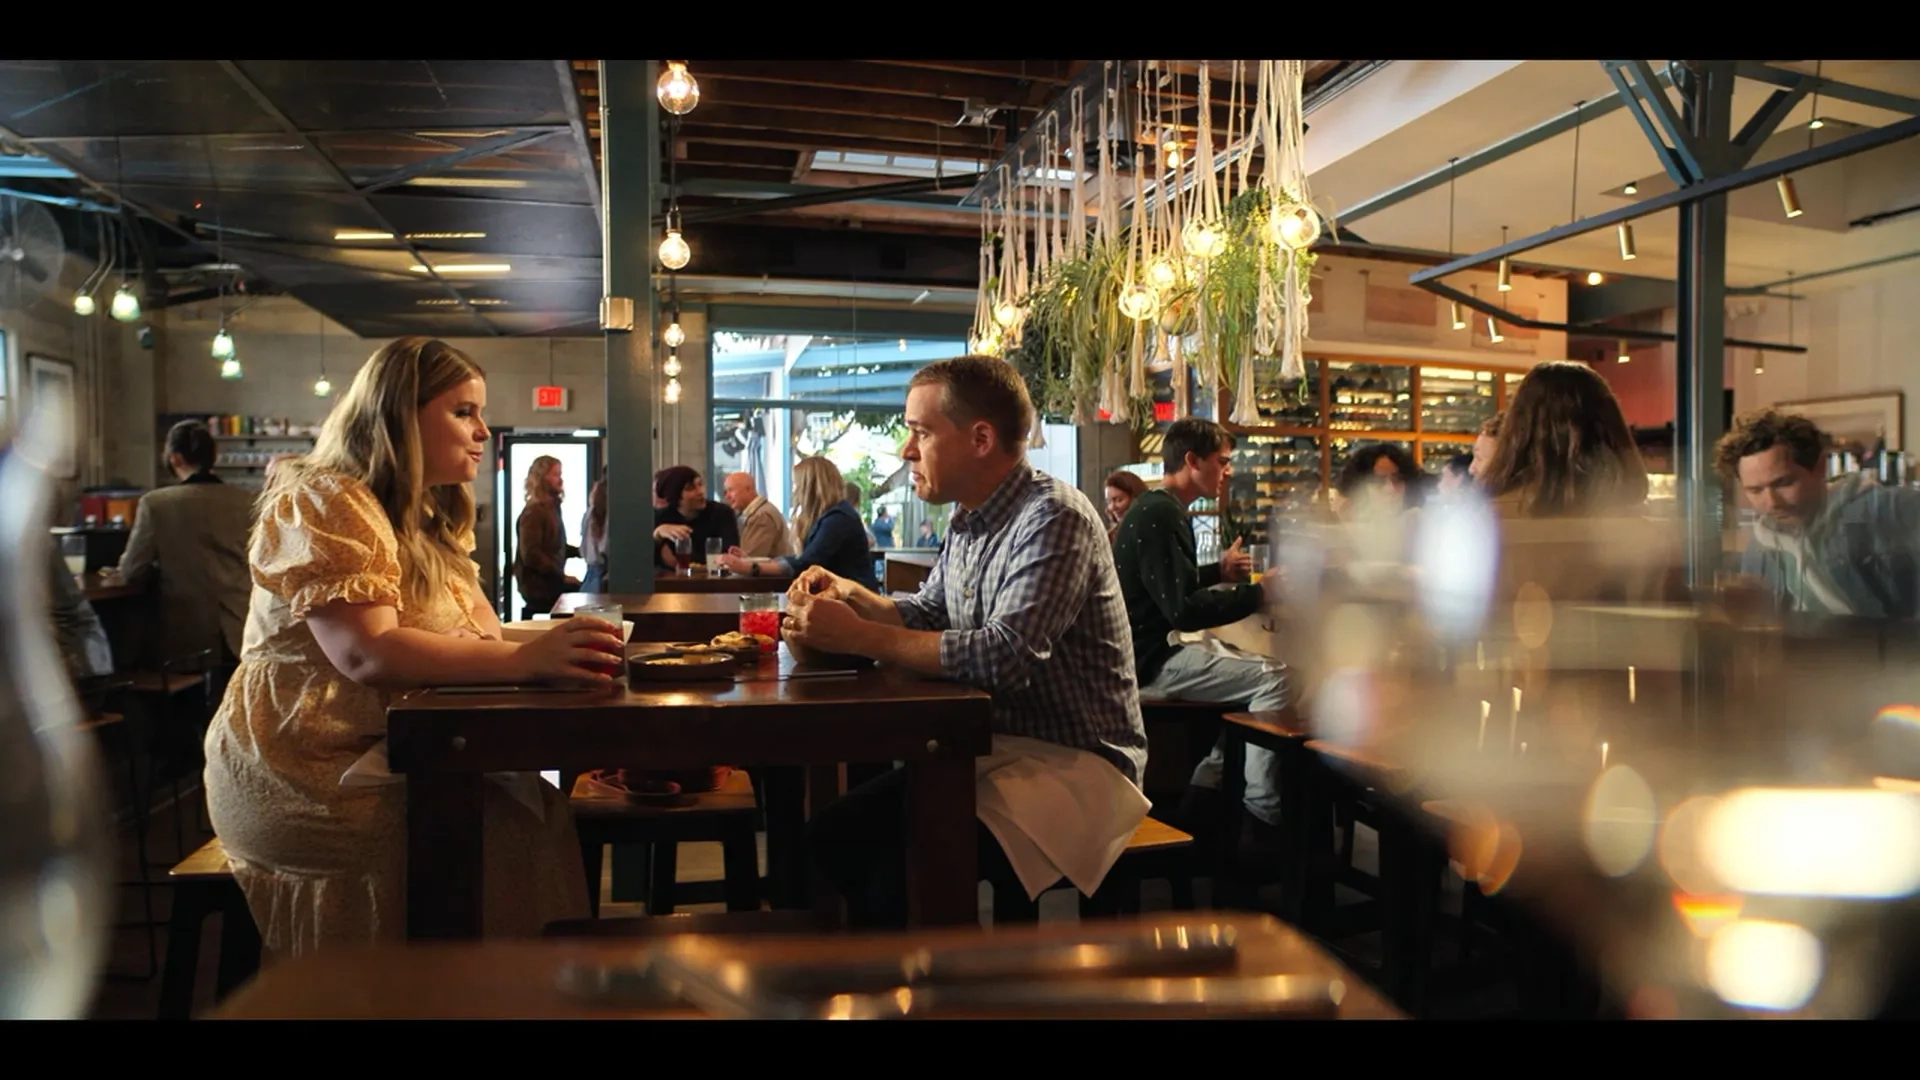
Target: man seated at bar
[193,536]
[835,539]
[763,532]
[1023,603]
[1851,547]
[685,495]
[1168,593]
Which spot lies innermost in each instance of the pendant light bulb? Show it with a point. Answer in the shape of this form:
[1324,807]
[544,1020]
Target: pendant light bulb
[83,304]
[1139,303]
[677,90]
[1621,353]
[321,387]
[1595,277]
[672,393]
[125,307]
[1627,254]
[1459,317]
[1789,198]
[674,336]
[1506,276]
[1759,362]
[1630,189]
[1493,331]
[222,344]
[674,252]
[230,368]
[672,366]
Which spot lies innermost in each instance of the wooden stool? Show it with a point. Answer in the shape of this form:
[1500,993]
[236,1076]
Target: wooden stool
[1156,850]
[173,677]
[726,815]
[203,885]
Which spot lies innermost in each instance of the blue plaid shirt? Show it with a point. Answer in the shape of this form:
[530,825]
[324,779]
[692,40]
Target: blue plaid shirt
[1029,607]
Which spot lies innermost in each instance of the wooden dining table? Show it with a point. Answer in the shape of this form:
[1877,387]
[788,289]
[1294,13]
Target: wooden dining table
[699,581]
[774,713]
[665,616]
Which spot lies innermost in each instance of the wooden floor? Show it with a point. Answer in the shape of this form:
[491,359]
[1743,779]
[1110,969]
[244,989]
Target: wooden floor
[123,994]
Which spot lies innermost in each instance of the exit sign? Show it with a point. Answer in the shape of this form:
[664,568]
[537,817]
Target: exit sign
[549,399]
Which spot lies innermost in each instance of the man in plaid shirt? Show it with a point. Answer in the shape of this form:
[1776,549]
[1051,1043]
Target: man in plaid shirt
[1024,603]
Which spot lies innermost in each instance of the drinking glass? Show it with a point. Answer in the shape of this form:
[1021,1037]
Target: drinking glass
[74,547]
[613,615]
[1257,569]
[760,614]
[716,547]
[683,554]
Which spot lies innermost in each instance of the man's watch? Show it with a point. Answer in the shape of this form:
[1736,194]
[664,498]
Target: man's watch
[755,567]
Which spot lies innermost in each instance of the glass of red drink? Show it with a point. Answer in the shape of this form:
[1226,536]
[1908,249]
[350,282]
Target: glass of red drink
[760,614]
[613,615]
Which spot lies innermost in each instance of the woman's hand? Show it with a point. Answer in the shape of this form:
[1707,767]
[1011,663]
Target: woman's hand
[562,653]
[732,561]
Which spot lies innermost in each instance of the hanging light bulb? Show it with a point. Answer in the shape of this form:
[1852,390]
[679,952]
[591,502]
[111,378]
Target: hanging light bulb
[673,335]
[1006,313]
[1630,189]
[1202,240]
[1296,225]
[1506,267]
[1170,153]
[1759,362]
[672,392]
[1621,354]
[1138,302]
[677,90]
[1459,317]
[125,307]
[222,344]
[1595,277]
[230,368]
[674,252]
[321,387]
[1164,274]
[82,303]
[1493,331]
[1816,124]
[1789,198]
[1627,253]
[672,366]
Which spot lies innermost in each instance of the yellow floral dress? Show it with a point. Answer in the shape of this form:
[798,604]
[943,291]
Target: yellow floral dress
[321,864]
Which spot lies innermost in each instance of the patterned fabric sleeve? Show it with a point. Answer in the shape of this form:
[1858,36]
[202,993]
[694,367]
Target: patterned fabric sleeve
[326,540]
[927,609]
[1041,595]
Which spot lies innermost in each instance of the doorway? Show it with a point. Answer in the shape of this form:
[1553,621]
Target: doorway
[579,451]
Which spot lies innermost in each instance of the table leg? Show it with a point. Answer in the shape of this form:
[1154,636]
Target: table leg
[825,783]
[445,886]
[943,857]
[786,814]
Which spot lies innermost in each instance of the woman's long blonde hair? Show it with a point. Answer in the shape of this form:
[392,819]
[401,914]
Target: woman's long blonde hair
[373,436]
[817,486]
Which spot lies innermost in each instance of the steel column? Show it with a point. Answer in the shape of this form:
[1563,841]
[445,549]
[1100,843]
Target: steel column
[629,154]
[1700,359]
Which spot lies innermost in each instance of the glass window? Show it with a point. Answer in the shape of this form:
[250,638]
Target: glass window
[778,398]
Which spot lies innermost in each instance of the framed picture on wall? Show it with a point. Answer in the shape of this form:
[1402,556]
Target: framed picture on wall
[1856,423]
[50,382]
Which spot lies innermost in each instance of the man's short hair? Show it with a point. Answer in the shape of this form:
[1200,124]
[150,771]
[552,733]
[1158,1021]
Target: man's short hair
[982,388]
[1201,438]
[193,441]
[1758,432]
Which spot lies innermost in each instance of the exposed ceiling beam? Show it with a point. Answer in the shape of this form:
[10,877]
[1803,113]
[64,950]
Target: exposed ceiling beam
[719,136]
[266,105]
[1859,95]
[577,123]
[458,157]
[1051,71]
[863,76]
[878,103]
[458,130]
[774,118]
[826,197]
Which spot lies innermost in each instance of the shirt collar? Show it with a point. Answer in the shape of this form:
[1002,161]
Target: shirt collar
[203,478]
[998,508]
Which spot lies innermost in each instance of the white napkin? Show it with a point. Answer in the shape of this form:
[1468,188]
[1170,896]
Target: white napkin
[371,771]
[1208,643]
[1057,811]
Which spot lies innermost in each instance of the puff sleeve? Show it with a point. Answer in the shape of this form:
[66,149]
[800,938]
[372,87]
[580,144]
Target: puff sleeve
[326,540]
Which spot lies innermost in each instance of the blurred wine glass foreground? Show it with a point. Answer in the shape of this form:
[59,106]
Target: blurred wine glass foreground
[55,842]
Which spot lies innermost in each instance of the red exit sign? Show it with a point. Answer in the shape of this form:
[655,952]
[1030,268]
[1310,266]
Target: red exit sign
[550,399]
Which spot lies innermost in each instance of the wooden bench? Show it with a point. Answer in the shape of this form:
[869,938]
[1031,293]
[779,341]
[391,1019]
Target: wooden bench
[203,885]
[726,815]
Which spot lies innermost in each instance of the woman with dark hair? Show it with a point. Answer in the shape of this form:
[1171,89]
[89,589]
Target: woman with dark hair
[1122,488]
[1565,448]
[1380,470]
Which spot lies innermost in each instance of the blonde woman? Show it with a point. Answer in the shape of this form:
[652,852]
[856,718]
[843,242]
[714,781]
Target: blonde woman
[834,536]
[364,585]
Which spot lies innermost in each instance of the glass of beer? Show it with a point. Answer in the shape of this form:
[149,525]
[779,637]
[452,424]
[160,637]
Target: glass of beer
[1257,569]
[613,615]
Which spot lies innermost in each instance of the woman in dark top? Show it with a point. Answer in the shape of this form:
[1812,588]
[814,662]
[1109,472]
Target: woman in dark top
[834,536]
[685,495]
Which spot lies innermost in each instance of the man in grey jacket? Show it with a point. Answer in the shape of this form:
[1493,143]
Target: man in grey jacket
[1851,547]
[194,535]
[764,534]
